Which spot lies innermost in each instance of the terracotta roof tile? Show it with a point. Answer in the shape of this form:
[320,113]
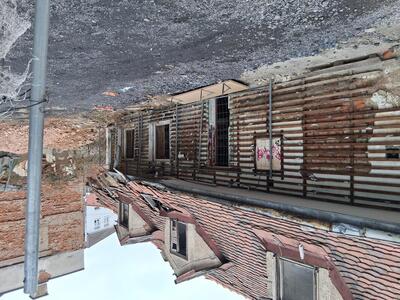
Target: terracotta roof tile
[370,268]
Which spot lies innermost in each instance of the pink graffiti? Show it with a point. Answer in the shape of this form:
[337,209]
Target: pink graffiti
[264,152]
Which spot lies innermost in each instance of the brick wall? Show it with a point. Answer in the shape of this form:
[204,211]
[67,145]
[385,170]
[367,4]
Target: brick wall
[62,220]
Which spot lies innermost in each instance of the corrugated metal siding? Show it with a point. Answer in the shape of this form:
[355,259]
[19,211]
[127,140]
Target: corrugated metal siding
[334,146]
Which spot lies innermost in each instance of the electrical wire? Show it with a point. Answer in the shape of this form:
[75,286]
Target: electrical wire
[13,108]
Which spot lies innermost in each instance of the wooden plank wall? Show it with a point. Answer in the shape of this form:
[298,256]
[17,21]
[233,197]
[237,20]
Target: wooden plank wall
[335,137]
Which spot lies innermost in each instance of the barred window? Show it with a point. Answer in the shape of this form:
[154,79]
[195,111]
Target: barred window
[222,131]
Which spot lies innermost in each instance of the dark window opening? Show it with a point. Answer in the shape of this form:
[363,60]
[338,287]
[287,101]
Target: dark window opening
[222,131]
[162,142]
[124,214]
[129,143]
[178,238]
[393,152]
[295,281]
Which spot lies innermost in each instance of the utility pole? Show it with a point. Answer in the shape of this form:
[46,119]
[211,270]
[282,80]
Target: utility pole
[36,122]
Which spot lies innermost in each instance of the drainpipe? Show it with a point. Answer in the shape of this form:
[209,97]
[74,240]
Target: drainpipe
[36,120]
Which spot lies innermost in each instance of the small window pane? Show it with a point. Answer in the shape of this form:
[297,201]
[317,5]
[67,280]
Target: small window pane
[297,281]
[182,238]
[222,132]
[178,238]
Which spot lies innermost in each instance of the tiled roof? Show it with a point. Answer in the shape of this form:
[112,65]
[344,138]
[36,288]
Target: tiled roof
[370,268]
[91,200]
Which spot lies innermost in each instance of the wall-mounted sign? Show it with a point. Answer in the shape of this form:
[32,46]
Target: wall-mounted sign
[262,154]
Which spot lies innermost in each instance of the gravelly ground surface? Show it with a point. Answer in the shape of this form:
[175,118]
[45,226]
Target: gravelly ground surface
[164,46]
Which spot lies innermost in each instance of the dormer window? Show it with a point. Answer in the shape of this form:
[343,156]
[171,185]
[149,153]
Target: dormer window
[178,238]
[296,281]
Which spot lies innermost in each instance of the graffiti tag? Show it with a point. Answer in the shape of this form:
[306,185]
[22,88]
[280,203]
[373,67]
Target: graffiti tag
[264,153]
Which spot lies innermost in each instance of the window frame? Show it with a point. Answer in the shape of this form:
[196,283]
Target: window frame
[153,140]
[278,271]
[165,144]
[126,144]
[217,164]
[176,251]
[121,219]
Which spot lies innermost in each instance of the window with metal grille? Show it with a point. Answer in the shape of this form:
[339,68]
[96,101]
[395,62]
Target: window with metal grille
[296,281]
[178,238]
[124,214]
[129,143]
[222,131]
[162,142]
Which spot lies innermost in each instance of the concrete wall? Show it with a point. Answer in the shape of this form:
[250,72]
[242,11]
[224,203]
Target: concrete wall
[137,226]
[326,290]
[56,265]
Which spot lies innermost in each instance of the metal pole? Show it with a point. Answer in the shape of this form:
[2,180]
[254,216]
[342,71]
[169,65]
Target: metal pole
[36,120]
[176,142]
[270,128]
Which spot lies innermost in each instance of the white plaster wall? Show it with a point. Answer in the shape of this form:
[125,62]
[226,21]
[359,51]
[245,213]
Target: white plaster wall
[100,213]
[271,276]
[56,265]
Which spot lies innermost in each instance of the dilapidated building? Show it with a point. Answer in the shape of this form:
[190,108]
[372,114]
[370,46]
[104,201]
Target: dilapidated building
[332,135]
[296,178]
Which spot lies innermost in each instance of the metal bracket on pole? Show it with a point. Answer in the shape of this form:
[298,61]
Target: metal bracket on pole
[36,123]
